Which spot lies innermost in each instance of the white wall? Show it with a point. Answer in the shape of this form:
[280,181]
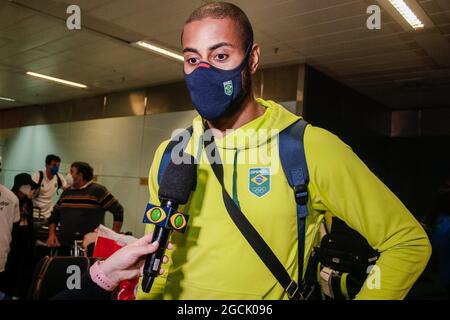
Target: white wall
[119,149]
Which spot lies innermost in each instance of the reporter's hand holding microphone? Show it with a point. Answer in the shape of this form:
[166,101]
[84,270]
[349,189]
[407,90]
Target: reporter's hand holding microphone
[125,264]
[143,258]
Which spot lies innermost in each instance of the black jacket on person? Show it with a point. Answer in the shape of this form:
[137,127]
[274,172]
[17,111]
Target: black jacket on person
[19,266]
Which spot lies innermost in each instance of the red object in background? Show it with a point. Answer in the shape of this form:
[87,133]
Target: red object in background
[105,245]
[127,289]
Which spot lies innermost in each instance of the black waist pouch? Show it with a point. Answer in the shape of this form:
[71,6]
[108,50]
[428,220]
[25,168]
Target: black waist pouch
[345,260]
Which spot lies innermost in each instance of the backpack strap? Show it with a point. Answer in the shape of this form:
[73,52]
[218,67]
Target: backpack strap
[293,161]
[165,160]
[59,181]
[41,178]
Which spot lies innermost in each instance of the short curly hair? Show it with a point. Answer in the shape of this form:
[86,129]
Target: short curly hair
[222,10]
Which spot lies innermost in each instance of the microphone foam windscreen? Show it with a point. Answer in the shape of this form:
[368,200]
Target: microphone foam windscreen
[178,181]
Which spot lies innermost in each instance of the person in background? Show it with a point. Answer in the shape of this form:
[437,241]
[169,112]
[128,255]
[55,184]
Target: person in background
[19,266]
[48,181]
[81,209]
[9,214]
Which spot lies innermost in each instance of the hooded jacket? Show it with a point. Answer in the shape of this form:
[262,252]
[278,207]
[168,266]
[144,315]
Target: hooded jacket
[212,260]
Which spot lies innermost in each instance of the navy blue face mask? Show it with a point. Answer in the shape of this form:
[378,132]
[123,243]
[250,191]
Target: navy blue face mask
[54,170]
[214,91]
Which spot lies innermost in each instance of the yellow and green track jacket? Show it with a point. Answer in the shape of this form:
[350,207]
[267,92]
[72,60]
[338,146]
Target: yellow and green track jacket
[212,260]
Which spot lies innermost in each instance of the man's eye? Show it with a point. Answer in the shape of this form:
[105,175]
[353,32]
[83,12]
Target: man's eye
[221,57]
[192,60]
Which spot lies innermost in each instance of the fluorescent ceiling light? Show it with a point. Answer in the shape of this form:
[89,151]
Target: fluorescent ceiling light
[68,83]
[156,49]
[407,14]
[7,99]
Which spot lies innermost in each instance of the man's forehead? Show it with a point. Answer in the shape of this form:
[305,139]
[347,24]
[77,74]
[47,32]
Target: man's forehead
[211,33]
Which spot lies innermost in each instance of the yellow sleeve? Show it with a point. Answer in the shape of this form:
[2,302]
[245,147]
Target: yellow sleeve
[158,286]
[153,186]
[342,183]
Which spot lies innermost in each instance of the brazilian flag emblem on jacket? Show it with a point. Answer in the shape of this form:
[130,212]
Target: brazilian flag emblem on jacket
[259,181]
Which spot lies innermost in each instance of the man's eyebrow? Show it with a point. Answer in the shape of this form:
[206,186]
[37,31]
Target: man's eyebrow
[190,50]
[214,47]
[221,44]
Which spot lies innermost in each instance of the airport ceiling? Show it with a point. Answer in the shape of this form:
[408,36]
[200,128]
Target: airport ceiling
[402,69]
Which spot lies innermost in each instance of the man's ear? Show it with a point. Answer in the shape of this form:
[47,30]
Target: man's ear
[254,58]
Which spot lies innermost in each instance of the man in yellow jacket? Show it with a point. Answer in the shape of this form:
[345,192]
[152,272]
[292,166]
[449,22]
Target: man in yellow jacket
[213,260]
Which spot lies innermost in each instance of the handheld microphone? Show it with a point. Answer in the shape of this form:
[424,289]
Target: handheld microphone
[176,185]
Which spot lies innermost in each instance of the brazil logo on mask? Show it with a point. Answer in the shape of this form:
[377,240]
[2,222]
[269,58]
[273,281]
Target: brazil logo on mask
[259,181]
[228,87]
